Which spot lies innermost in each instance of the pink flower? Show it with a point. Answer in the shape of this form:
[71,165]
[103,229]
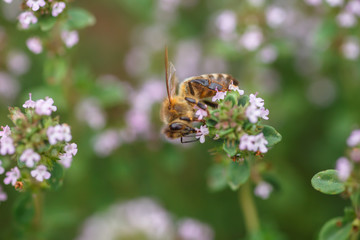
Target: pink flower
[30,157]
[58,8]
[263,190]
[3,195]
[354,138]
[58,133]
[344,168]
[335,3]
[26,18]
[252,39]
[346,19]
[200,113]
[226,22]
[219,96]
[34,44]
[12,176]
[29,103]
[275,16]
[45,107]
[35,4]
[40,173]
[264,113]
[252,113]
[5,131]
[65,160]
[268,54]
[70,38]
[8,1]
[2,170]
[71,148]
[258,102]
[355,154]
[6,146]
[313,2]
[107,142]
[353,7]
[260,143]
[247,142]
[190,229]
[203,132]
[232,87]
[350,48]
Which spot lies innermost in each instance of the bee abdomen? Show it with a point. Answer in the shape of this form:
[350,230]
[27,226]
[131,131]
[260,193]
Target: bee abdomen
[220,79]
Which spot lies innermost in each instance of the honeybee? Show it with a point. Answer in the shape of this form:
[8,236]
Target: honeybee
[178,110]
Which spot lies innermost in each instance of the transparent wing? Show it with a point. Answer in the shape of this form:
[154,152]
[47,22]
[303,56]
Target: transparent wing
[170,77]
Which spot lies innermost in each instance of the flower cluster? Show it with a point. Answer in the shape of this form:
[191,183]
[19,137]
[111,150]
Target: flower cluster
[35,146]
[346,165]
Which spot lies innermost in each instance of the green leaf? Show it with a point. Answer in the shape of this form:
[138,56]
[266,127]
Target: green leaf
[24,210]
[79,18]
[55,70]
[232,97]
[230,147]
[56,176]
[328,182]
[243,100]
[47,24]
[217,177]
[238,173]
[271,135]
[334,229]
[211,122]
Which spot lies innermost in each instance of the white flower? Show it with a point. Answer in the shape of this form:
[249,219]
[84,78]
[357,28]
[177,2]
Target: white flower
[8,1]
[350,48]
[354,138]
[313,2]
[59,133]
[251,39]
[65,160]
[58,8]
[232,87]
[40,173]
[29,103]
[258,102]
[70,38]
[71,148]
[246,142]
[190,229]
[263,190]
[344,168]
[35,4]
[335,3]
[275,16]
[29,157]
[45,107]
[226,22]
[200,113]
[12,176]
[2,170]
[260,143]
[353,7]
[34,45]
[203,131]
[7,146]
[5,131]
[218,96]
[26,18]
[264,113]
[253,113]
[346,19]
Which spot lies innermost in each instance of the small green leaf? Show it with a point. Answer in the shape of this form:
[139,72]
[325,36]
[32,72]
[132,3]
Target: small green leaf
[232,97]
[230,147]
[56,176]
[243,100]
[271,135]
[79,18]
[238,173]
[24,209]
[335,229]
[211,122]
[47,23]
[217,177]
[328,182]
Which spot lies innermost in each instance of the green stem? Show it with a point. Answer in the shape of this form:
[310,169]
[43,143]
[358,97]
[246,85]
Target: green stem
[37,198]
[249,209]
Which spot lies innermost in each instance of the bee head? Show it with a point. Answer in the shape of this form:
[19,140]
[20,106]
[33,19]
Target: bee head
[178,129]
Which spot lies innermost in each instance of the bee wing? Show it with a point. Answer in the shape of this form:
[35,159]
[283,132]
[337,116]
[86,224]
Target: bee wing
[170,77]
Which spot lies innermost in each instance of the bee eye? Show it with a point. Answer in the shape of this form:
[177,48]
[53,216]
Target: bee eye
[176,126]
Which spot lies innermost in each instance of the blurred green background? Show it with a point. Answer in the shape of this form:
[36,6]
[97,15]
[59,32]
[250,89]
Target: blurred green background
[310,87]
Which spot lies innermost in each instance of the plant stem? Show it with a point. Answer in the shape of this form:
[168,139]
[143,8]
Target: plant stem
[37,197]
[248,207]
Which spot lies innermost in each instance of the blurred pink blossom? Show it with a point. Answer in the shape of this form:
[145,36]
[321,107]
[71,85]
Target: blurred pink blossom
[7,146]
[9,86]
[57,8]
[335,3]
[353,6]
[3,195]
[40,173]
[344,168]
[30,157]
[263,190]
[18,62]
[107,142]
[45,107]
[58,133]
[268,54]
[70,38]
[71,148]
[34,45]
[89,111]
[26,18]
[354,138]
[251,39]
[346,19]
[29,103]
[350,48]
[35,4]
[201,133]
[65,160]
[190,229]
[275,16]
[12,176]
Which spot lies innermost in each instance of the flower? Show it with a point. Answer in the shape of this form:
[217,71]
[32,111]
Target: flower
[29,103]
[203,132]
[70,38]
[258,102]
[65,160]
[354,138]
[26,18]
[246,142]
[263,190]
[335,3]
[18,62]
[107,142]
[344,168]
[190,229]
[8,1]
[264,113]
[346,19]
[313,2]
[58,8]
[219,95]
[3,195]
[58,133]
[355,154]
[260,143]
[275,16]
[200,113]
[35,4]
[71,148]
[232,87]
[29,157]
[90,112]
[5,131]
[251,39]
[45,107]
[268,54]
[252,113]
[7,146]
[34,45]
[350,48]
[12,176]
[226,22]
[353,7]
[2,170]
[40,173]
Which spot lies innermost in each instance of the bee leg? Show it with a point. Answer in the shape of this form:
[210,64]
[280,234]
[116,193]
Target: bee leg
[211,104]
[191,88]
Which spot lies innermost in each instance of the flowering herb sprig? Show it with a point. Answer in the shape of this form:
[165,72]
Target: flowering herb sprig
[344,180]
[236,124]
[35,150]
